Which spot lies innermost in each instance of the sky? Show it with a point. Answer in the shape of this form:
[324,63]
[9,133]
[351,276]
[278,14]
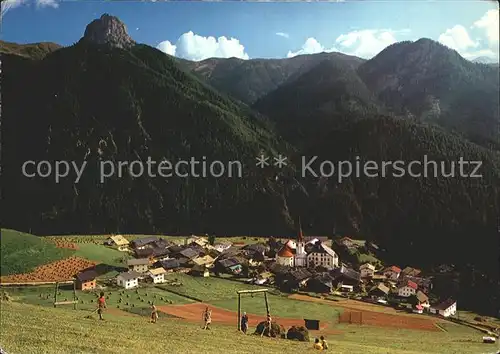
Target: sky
[200,30]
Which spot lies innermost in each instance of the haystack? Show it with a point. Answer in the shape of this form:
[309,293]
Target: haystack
[276,329]
[298,333]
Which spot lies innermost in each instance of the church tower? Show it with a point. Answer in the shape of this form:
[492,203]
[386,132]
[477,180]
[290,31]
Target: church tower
[300,253]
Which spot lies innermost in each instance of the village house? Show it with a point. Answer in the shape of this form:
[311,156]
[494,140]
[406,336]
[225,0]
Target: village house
[201,241]
[345,276]
[118,241]
[190,253]
[446,308]
[142,243]
[409,271]
[169,265]
[229,265]
[200,270]
[423,300]
[140,265]
[367,270]
[206,261]
[392,273]
[86,280]
[296,279]
[157,275]
[128,280]
[379,291]
[322,255]
[408,289]
[221,247]
[160,254]
[346,242]
[321,283]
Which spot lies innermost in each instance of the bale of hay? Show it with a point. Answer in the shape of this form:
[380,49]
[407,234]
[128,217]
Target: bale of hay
[298,333]
[276,329]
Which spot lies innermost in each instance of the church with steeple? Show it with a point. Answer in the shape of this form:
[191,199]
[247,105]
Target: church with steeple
[293,253]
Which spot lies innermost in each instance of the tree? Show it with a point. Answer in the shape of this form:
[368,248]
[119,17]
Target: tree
[211,239]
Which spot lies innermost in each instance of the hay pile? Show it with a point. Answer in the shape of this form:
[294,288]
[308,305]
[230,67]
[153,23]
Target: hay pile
[298,333]
[276,330]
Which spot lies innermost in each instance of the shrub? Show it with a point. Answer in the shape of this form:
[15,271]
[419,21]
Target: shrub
[298,333]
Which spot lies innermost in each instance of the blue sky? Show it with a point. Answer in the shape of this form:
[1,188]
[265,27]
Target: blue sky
[264,29]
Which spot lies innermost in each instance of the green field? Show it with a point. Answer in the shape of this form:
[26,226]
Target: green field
[33,329]
[101,254]
[22,253]
[129,300]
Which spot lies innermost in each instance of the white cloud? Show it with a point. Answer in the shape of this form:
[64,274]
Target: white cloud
[8,5]
[490,24]
[311,46]
[195,47]
[167,47]
[282,34]
[365,43]
[457,38]
[47,3]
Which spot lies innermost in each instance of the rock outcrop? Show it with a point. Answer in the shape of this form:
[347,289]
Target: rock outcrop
[108,30]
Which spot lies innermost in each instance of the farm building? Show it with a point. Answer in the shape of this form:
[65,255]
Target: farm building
[118,241]
[392,273]
[128,280]
[322,283]
[408,289]
[446,308]
[221,247]
[140,265]
[157,275]
[379,291]
[86,280]
[169,264]
[190,253]
[201,241]
[367,270]
[204,261]
[141,243]
[200,270]
[345,276]
[423,299]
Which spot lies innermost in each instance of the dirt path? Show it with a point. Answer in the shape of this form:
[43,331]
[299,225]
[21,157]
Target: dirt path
[193,313]
[356,313]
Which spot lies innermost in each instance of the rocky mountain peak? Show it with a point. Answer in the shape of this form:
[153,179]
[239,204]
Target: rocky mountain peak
[108,30]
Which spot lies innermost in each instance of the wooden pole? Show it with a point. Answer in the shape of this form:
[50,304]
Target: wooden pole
[267,303]
[74,294]
[55,294]
[239,310]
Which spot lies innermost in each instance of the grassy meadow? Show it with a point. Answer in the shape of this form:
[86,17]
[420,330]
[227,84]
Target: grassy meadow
[33,329]
[22,253]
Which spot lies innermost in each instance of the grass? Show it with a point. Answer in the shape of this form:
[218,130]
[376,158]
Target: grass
[22,253]
[33,329]
[102,254]
[131,300]
[281,307]
[206,289]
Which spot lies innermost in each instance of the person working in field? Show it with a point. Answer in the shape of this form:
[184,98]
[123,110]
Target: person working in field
[154,314]
[317,345]
[323,342]
[207,318]
[267,326]
[101,303]
[244,323]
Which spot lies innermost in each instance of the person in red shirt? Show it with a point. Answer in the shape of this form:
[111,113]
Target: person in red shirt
[101,305]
